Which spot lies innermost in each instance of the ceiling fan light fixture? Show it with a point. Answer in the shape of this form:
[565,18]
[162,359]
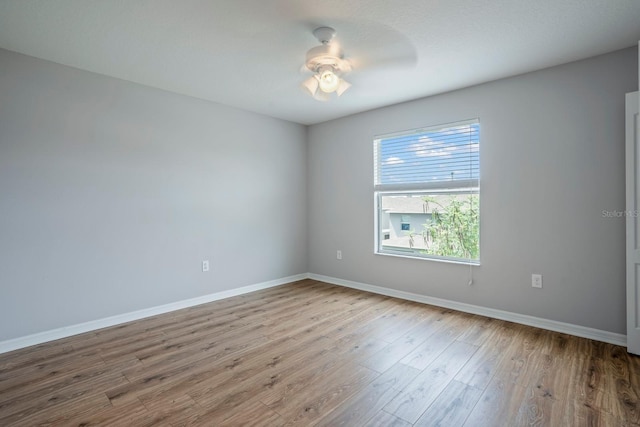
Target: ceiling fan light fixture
[342,87]
[311,84]
[327,63]
[329,81]
[321,96]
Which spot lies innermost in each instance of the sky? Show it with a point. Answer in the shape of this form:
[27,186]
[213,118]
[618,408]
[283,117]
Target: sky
[430,155]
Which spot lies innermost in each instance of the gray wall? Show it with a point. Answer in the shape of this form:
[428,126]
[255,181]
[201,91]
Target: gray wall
[112,193]
[552,159]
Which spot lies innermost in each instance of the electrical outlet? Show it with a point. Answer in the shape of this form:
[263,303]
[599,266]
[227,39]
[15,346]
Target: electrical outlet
[536,280]
[339,254]
[205,265]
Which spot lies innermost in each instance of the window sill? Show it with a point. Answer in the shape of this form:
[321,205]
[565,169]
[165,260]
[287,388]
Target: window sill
[436,259]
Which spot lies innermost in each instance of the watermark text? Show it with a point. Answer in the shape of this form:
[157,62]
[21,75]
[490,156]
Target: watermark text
[620,214]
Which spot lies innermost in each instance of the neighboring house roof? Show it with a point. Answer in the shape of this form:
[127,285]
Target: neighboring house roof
[416,204]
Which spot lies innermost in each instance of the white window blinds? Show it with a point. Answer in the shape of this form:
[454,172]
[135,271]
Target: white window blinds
[445,156]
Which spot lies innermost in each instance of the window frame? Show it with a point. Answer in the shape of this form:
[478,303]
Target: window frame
[462,186]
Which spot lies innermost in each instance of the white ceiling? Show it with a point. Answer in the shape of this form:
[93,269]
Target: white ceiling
[248,53]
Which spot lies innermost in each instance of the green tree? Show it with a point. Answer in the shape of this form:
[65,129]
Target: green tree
[453,231]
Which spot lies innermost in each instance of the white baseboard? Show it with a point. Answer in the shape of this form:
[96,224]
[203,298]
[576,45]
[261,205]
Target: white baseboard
[552,325]
[67,331]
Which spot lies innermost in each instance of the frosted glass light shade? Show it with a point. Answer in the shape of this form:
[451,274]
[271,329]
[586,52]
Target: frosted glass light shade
[329,81]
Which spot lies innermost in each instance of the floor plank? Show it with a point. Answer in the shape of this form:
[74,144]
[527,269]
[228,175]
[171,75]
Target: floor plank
[418,395]
[452,406]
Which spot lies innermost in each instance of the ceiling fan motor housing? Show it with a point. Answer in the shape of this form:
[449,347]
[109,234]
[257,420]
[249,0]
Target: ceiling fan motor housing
[326,55]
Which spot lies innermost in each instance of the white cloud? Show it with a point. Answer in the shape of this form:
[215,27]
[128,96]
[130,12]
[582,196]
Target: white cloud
[393,161]
[427,147]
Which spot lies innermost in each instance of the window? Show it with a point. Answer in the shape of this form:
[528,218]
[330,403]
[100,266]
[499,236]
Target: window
[427,192]
[405,225]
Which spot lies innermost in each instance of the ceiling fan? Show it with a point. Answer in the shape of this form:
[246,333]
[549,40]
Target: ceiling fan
[328,65]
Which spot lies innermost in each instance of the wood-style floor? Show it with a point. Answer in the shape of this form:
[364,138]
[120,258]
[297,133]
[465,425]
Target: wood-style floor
[309,353]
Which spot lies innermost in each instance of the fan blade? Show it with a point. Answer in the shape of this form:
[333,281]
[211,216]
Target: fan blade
[391,61]
[343,86]
[311,84]
[375,45]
